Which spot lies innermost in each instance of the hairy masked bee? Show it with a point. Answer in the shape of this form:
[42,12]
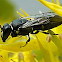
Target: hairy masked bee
[23,26]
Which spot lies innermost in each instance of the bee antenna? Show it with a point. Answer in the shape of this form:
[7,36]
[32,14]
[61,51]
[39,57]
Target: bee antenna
[0,26]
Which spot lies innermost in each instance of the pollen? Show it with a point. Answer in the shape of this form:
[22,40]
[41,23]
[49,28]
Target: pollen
[48,39]
[20,56]
[60,36]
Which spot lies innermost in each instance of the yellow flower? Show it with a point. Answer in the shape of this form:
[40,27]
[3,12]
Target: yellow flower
[54,7]
[47,51]
[50,51]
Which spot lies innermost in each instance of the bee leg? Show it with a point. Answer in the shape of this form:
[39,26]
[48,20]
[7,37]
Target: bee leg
[27,41]
[13,34]
[34,32]
[49,33]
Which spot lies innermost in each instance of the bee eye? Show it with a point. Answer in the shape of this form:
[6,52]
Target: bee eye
[5,32]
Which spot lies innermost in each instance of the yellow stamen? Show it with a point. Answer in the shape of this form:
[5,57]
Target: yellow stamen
[48,39]
[20,57]
[60,36]
[56,8]
[58,2]
[53,1]
[24,12]
[20,14]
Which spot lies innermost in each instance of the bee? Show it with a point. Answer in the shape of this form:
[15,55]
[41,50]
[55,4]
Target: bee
[23,27]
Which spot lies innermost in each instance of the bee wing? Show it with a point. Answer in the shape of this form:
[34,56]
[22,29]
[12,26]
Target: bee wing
[41,22]
[35,22]
[56,18]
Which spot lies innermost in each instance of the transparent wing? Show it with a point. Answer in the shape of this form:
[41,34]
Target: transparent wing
[35,22]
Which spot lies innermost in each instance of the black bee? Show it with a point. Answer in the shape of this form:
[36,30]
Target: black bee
[23,26]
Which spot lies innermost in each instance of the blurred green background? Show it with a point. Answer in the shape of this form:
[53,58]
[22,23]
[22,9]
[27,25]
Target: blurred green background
[7,13]
[8,9]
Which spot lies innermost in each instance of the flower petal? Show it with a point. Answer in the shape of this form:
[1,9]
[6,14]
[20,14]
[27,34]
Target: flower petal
[56,8]
[16,47]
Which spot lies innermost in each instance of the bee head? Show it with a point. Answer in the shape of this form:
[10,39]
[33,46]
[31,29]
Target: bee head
[5,31]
